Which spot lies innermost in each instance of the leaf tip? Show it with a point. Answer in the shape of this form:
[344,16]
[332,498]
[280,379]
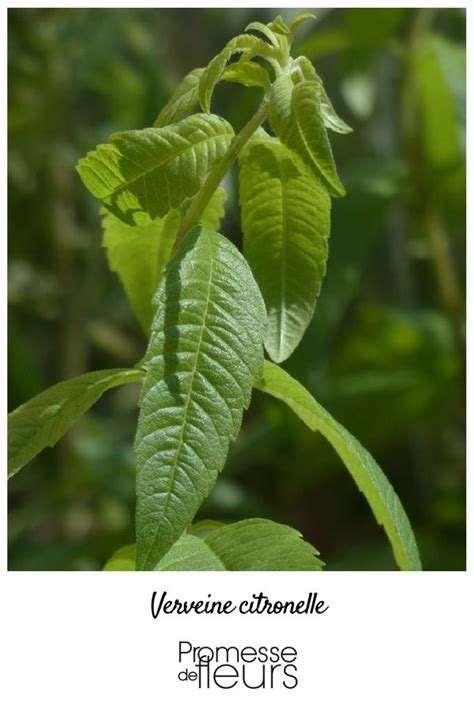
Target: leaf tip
[339,190]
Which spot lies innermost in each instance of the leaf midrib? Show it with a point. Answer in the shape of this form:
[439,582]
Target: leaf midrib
[163,163]
[307,147]
[284,236]
[321,168]
[188,401]
[215,554]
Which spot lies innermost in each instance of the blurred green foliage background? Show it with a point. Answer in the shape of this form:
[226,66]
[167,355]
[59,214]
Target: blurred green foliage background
[385,352]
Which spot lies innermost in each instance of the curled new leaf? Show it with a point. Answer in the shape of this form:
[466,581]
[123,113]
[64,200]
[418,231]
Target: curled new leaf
[141,175]
[211,77]
[286,222]
[264,30]
[247,45]
[296,118]
[279,26]
[299,19]
[205,351]
[183,99]
[330,118]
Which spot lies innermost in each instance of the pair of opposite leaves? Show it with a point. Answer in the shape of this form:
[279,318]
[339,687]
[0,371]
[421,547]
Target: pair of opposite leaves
[210,403]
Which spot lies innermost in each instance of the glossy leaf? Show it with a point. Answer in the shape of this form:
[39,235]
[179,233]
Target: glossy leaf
[253,544]
[139,254]
[205,350]
[183,99]
[295,116]
[365,471]
[286,223]
[44,419]
[141,175]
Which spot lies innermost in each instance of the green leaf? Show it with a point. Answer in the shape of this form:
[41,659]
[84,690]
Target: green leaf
[248,74]
[279,26]
[306,68]
[211,77]
[254,45]
[299,19]
[214,210]
[139,254]
[258,544]
[190,553]
[123,559]
[253,544]
[250,47]
[286,223]
[183,99]
[330,118]
[141,175]
[44,419]
[205,350]
[295,116]
[367,474]
[264,30]
[203,527]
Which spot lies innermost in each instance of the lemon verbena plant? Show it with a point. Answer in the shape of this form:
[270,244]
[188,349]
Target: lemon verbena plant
[211,311]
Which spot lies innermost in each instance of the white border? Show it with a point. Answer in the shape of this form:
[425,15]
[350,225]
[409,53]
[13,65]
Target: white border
[87,640]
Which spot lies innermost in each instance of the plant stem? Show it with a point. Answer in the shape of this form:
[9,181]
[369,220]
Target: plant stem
[201,199]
